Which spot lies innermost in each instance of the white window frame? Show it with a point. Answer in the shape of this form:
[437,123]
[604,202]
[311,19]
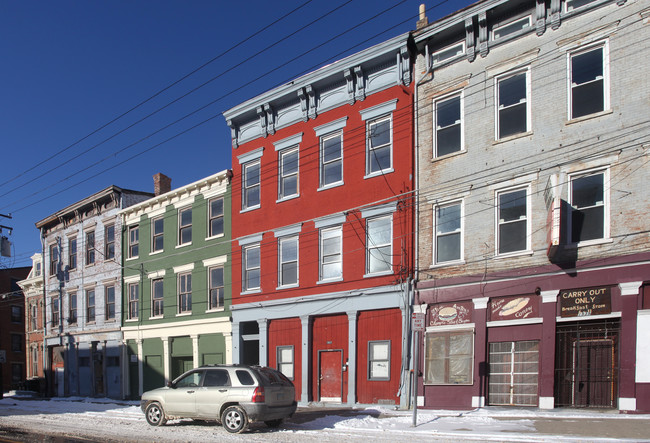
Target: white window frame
[55,256]
[498,223]
[182,227]
[108,242]
[527,100]
[184,292]
[155,235]
[448,53]
[246,269]
[212,217]
[371,246]
[605,204]
[444,98]
[374,363]
[604,46]
[211,287]
[72,254]
[73,314]
[281,263]
[445,204]
[155,301]
[282,364]
[327,233]
[282,176]
[107,303]
[91,308]
[447,357]
[514,23]
[134,243]
[55,319]
[370,150]
[246,206]
[339,160]
[133,302]
[569,8]
[90,256]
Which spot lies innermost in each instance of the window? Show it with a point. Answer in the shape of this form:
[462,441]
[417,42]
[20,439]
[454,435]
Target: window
[90,305]
[217,289]
[34,361]
[16,314]
[157,234]
[34,317]
[512,221]
[38,270]
[379,145]
[379,360]
[449,233]
[55,311]
[216,377]
[588,203]
[448,358]
[511,27]
[189,381]
[285,360]
[157,297]
[448,53]
[288,266]
[575,4]
[134,241]
[216,217]
[288,173]
[588,84]
[16,343]
[109,298]
[379,239]
[185,226]
[252,270]
[331,257]
[90,248]
[251,185]
[72,308]
[134,297]
[331,159]
[448,125]
[54,260]
[512,104]
[184,293]
[72,253]
[109,239]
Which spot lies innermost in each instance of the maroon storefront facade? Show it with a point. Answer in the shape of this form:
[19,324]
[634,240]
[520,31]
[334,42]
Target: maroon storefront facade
[544,337]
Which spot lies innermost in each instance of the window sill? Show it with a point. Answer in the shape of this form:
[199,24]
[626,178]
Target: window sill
[252,208]
[379,173]
[588,117]
[88,265]
[284,199]
[527,252]
[132,258]
[447,263]
[331,280]
[214,236]
[157,252]
[183,245]
[108,260]
[251,291]
[596,242]
[450,155]
[279,288]
[211,311]
[158,317]
[377,274]
[333,185]
[184,314]
[512,137]
[131,320]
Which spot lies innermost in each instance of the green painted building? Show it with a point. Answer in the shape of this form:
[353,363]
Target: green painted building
[176,281]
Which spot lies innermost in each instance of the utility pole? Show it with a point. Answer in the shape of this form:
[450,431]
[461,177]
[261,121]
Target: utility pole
[5,244]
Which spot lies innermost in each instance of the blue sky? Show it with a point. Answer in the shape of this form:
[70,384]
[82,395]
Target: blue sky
[74,73]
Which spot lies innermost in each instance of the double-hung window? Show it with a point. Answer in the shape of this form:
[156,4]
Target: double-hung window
[251,185]
[379,145]
[109,242]
[72,308]
[379,360]
[54,260]
[185,226]
[34,317]
[55,311]
[588,85]
[449,357]
[72,253]
[90,247]
[109,303]
[379,239]
[157,234]
[288,257]
[331,253]
[185,292]
[513,104]
[134,241]
[512,221]
[252,267]
[215,222]
[331,159]
[17,314]
[157,296]
[217,287]
[285,360]
[134,299]
[589,202]
[448,125]
[90,305]
[288,173]
[448,245]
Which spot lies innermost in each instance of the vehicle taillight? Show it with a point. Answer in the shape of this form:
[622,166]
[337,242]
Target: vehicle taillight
[258,395]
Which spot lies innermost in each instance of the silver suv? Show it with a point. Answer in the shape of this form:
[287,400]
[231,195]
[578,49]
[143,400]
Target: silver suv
[233,395]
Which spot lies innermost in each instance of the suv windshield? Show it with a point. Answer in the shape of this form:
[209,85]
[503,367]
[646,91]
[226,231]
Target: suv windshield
[272,377]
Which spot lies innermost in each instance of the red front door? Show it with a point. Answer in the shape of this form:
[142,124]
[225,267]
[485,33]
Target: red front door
[330,376]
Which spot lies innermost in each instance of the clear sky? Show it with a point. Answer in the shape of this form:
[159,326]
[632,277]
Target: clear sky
[74,72]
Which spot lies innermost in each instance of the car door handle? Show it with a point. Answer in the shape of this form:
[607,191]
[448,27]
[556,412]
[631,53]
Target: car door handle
[223,390]
[190,392]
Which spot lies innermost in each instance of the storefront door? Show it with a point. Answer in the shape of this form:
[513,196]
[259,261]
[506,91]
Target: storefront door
[514,372]
[330,375]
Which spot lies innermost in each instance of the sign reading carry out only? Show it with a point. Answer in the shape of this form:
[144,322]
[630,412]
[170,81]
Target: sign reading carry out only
[587,301]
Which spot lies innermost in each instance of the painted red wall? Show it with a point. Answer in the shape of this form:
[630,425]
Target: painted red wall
[350,197]
[329,333]
[286,332]
[378,325]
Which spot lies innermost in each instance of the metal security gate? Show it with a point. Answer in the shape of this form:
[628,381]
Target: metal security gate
[586,373]
[514,373]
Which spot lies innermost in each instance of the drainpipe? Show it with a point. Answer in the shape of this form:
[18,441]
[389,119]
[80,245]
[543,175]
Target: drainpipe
[44,314]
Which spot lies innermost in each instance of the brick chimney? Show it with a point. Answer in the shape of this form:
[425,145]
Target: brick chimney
[161,184]
[423,21]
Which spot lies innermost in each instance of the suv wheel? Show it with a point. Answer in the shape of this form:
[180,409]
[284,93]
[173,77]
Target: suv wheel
[234,419]
[155,414]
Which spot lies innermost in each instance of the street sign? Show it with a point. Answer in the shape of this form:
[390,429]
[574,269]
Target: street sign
[418,321]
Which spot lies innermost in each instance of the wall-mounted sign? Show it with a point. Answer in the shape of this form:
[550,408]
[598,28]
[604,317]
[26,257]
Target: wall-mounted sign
[514,308]
[587,301]
[451,314]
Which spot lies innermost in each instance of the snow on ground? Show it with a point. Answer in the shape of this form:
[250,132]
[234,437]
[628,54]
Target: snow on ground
[107,420]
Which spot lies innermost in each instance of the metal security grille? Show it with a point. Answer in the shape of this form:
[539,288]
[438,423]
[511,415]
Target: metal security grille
[514,370]
[586,364]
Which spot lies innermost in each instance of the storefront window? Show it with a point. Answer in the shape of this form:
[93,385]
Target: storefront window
[449,358]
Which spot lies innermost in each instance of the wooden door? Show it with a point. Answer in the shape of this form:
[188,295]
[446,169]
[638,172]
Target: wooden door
[330,373]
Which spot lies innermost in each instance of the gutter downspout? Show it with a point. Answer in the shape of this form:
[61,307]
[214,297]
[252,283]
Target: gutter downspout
[44,314]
